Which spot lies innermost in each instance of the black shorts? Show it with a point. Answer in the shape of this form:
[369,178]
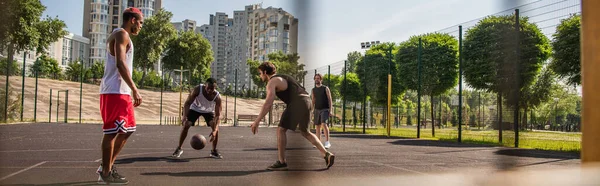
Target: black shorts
[321,116]
[193,116]
[296,113]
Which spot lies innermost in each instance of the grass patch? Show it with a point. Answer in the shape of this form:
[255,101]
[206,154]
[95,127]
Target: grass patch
[542,140]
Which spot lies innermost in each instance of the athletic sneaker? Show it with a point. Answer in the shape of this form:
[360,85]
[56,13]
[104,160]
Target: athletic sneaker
[278,166]
[113,172]
[215,154]
[177,153]
[327,145]
[111,179]
[329,157]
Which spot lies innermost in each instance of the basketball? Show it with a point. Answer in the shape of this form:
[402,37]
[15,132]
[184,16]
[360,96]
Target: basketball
[198,141]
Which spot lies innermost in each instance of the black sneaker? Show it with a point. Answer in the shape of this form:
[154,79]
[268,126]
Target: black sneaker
[111,180]
[113,172]
[329,157]
[278,166]
[215,154]
[177,153]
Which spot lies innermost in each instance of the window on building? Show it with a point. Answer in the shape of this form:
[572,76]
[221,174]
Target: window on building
[273,18]
[286,34]
[273,33]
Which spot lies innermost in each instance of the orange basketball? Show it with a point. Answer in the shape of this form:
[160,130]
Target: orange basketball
[198,141]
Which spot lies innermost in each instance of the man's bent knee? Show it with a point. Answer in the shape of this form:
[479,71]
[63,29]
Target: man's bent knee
[187,125]
[304,132]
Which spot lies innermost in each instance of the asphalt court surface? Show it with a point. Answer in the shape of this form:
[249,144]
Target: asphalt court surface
[69,154]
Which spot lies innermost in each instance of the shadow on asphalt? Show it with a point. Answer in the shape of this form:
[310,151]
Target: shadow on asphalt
[432,143]
[152,159]
[205,173]
[222,173]
[275,149]
[532,153]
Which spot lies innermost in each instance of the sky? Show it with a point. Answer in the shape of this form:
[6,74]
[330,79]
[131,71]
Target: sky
[328,29]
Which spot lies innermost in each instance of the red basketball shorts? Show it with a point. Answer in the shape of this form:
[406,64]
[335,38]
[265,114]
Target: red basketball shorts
[117,113]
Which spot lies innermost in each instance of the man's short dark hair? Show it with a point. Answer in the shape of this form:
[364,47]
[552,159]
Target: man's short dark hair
[211,81]
[318,75]
[268,68]
[131,12]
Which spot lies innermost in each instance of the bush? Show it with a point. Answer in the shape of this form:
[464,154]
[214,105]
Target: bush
[137,77]
[15,70]
[14,106]
[47,67]
[97,71]
[152,79]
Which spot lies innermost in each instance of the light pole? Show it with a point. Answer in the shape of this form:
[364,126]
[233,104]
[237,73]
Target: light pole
[180,88]
[365,46]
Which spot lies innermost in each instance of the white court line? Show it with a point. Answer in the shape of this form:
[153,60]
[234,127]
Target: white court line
[13,138]
[26,169]
[399,168]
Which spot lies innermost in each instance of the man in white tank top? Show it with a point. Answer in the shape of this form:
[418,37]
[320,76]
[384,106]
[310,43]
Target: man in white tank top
[204,101]
[116,91]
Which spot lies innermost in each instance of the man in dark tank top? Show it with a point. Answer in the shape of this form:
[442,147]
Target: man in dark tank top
[295,116]
[321,99]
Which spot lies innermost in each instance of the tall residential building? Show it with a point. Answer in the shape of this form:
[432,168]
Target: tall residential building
[272,30]
[218,68]
[240,45]
[100,17]
[252,33]
[206,31]
[185,25]
[70,48]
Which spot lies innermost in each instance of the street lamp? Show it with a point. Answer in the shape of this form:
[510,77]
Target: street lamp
[180,88]
[368,44]
[365,46]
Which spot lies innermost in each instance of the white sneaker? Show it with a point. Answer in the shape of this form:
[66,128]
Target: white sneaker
[327,144]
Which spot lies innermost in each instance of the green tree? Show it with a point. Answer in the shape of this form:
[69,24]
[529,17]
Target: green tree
[335,86]
[97,70]
[353,58]
[152,41]
[566,60]
[190,50]
[565,100]
[288,64]
[490,60]
[439,64]
[47,67]
[353,91]
[14,105]
[374,69]
[15,70]
[73,71]
[285,64]
[22,28]
[537,93]
[253,69]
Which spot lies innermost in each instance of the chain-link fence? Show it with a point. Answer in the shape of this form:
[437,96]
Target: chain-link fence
[507,95]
